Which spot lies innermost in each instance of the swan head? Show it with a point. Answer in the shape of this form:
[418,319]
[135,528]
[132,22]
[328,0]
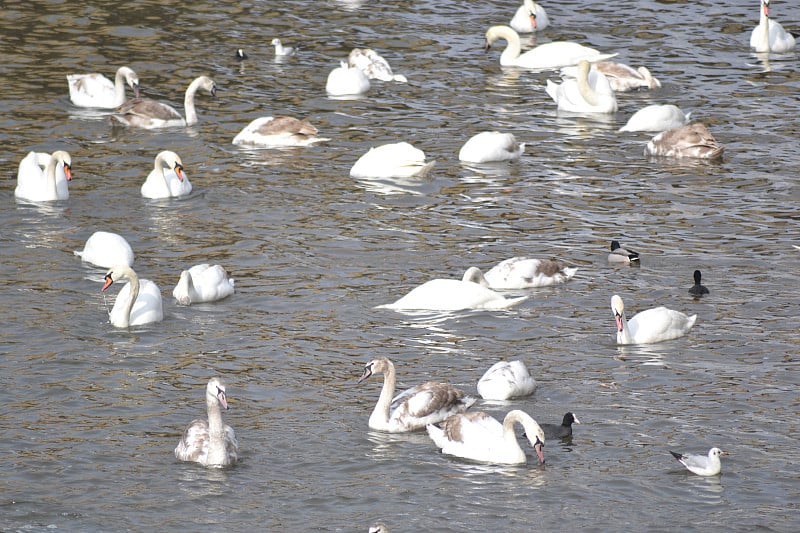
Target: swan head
[172,161]
[131,79]
[65,158]
[117,273]
[376,366]
[619,310]
[498,32]
[533,432]
[209,85]
[215,392]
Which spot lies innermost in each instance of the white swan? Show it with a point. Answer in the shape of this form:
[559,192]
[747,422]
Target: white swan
[622,255]
[526,273]
[105,249]
[529,17]
[702,465]
[488,146]
[167,179]
[396,160]
[203,283]
[588,92]
[479,437]
[278,131]
[657,118]
[692,141]
[138,302]
[413,408]
[373,65]
[769,35]
[506,380]
[43,177]
[210,442]
[345,80]
[150,114]
[545,56]
[95,90]
[651,325]
[280,50]
[470,292]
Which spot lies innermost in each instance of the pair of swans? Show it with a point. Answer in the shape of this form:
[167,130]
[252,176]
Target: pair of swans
[167,179]
[702,465]
[203,283]
[769,35]
[106,249]
[529,17]
[43,177]
[150,114]
[551,55]
[210,442]
[95,90]
[394,160]
[491,146]
[270,132]
[690,141]
[651,325]
[588,92]
[657,118]
[506,380]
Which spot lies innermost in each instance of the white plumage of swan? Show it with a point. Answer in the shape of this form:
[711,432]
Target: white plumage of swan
[95,90]
[210,442]
[588,92]
[470,292]
[529,17]
[43,177]
[506,380]
[345,80]
[280,50]
[203,283]
[395,160]
[413,408]
[702,465]
[657,118]
[651,325]
[167,179]
[138,302]
[106,249]
[551,55]
[373,65]
[769,35]
[690,141]
[479,437]
[527,273]
[150,114]
[278,131]
[488,146]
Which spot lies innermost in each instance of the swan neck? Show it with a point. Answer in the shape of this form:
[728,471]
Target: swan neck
[624,336]
[763,25]
[381,411]
[508,429]
[119,86]
[585,89]
[513,47]
[133,280]
[215,426]
[188,103]
[50,171]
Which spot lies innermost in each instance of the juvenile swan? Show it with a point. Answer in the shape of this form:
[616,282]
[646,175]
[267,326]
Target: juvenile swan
[210,442]
[150,114]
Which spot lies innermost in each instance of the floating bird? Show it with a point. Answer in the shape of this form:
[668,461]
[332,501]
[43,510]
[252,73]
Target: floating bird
[506,380]
[560,431]
[769,35]
[527,273]
[168,178]
[656,118]
[150,114]
[588,92]
[529,17]
[622,255]
[210,442]
[551,55]
[692,141]
[271,132]
[95,90]
[138,302]
[489,146]
[280,50]
[373,65]
[43,177]
[203,283]
[698,289]
[651,325]
[105,249]
[702,465]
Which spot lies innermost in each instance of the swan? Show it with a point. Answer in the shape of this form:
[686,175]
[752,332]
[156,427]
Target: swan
[167,179]
[278,131]
[651,325]
[43,177]
[106,249]
[588,92]
[150,114]
[656,118]
[480,437]
[769,35]
[413,408]
[698,289]
[203,283]
[373,65]
[345,80]
[506,380]
[702,465]
[378,527]
[622,255]
[470,292]
[545,56]
[529,17]
[95,90]
[560,431]
[625,78]
[692,140]
[396,160]
[488,146]
[210,442]
[138,302]
[525,273]
[280,50]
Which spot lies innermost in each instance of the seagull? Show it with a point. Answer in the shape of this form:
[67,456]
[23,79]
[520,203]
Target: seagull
[702,465]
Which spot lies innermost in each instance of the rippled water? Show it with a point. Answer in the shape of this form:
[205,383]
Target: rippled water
[92,413]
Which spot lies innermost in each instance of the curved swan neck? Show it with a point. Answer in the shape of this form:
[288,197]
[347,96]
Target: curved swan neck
[188,100]
[513,47]
[584,88]
[387,392]
[119,85]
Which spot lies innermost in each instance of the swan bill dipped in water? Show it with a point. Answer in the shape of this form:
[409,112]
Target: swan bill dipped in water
[506,380]
[690,141]
[527,273]
[210,442]
[106,249]
[280,131]
[203,283]
[491,146]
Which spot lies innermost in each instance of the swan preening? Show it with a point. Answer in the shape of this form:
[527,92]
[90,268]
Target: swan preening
[345,80]
[562,430]
[137,303]
[651,325]
[373,65]
[277,132]
[488,146]
[769,35]
[150,114]
[551,55]
[623,77]
[527,273]
[95,90]
[280,50]
[622,255]
[506,380]
[657,118]
[698,289]
[167,179]
[414,408]
[210,442]
[203,283]
[43,177]
[395,160]
[702,465]
[690,141]
[588,92]
[105,249]
[529,17]
[479,437]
